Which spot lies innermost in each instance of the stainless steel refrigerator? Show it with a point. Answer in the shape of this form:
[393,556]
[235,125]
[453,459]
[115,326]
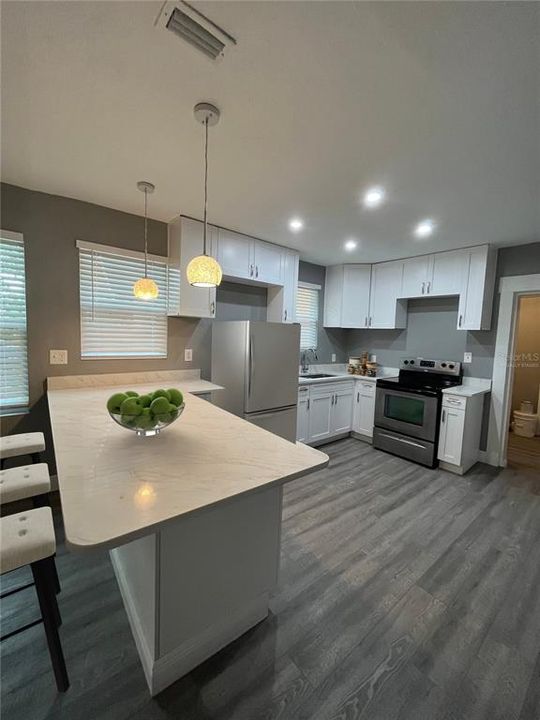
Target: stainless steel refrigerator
[257,364]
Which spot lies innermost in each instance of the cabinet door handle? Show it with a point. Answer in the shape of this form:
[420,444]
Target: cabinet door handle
[212,308]
[333,399]
[336,398]
[429,287]
[443,415]
[285,316]
[423,287]
[358,396]
[251,271]
[370,318]
[460,320]
[256,271]
[308,403]
[365,324]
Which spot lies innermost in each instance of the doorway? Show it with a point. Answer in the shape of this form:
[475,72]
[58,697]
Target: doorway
[523,449]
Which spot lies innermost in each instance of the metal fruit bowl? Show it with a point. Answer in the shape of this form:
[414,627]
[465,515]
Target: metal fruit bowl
[147,425]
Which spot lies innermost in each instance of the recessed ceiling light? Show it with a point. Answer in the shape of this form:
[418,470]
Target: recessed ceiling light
[350,244]
[296,224]
[425,228]
[373,197]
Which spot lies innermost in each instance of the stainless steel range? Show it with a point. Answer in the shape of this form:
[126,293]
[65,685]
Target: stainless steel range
[408,408]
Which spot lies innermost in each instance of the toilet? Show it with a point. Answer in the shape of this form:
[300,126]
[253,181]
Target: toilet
[525,421]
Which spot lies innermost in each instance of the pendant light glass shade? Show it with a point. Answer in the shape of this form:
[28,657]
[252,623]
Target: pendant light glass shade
[145,288]
[204,271]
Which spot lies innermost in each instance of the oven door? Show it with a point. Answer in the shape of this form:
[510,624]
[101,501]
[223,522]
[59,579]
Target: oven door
[410,413]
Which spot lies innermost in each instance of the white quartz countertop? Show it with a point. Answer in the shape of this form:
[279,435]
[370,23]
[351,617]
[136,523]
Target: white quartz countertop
[116,486]
[470,387]
[339,373]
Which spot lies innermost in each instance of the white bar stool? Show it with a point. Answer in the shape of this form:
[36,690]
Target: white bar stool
[22,444]
[28,539]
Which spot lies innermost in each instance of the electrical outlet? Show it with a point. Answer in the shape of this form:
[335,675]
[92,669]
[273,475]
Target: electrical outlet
[467,357]
[188,355]
[58,357]
[333,357]
[373,358]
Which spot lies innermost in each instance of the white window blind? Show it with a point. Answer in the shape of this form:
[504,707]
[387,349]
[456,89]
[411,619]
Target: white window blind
[307,314]
[114,323]
[13,339]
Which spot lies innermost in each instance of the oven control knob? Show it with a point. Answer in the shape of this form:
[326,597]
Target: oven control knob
[412,362]
[451,367]
[405,362]
[443,364]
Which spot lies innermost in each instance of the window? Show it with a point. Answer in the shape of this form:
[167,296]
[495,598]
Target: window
[13,339]
[114,323]
[307,314]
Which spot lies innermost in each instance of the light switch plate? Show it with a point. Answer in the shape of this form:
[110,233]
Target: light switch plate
[333,357]
[467,357]
[188,355]
[58,357]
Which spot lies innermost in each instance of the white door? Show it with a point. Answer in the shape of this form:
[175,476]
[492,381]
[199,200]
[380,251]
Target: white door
[266,261]
[385,289]
[302,418]
[451,435]
[355,300]
[470,316]
[319,416]
[333,294]
[234,254]
[449,273]
[290,285]
[416,276]
[364,408]
[341,411]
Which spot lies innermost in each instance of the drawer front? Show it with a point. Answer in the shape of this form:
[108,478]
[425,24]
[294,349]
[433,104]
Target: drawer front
[454,401]
[366,389]
[332,387]
[303,392]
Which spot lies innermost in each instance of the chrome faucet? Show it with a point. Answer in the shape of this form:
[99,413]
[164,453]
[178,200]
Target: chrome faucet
[304,364]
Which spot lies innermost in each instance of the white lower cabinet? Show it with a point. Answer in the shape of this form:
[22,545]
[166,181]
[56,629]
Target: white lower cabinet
[324,411]
[364,408]
[459,431]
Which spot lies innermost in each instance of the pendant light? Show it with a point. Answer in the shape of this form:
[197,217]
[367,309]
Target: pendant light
[145,288]
[204,270]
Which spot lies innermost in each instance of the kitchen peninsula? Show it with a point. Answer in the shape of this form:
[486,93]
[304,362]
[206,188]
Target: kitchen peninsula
[192,516]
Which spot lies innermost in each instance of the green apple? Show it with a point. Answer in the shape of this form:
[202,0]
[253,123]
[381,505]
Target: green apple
[114,402]
[131,393]
[130,406]
[162,393]
[159,406]
[145,420]
[173,411]
[176,396]
[129,420]
[144,400]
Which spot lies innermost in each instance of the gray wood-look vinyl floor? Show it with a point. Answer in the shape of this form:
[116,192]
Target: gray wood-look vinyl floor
[405,594]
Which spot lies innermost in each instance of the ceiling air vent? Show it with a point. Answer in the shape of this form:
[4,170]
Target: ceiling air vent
[195,28]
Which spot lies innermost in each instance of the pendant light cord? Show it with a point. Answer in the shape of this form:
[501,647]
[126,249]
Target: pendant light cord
[205,181]
[145,233]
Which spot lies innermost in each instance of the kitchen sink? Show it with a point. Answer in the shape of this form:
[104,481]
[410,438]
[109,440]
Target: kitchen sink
[315,376]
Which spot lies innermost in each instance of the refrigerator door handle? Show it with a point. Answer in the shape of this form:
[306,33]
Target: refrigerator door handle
[251,362]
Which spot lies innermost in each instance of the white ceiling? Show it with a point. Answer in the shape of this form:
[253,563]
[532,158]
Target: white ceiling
[438,102]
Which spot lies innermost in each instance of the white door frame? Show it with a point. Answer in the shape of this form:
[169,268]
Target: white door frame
[510,289]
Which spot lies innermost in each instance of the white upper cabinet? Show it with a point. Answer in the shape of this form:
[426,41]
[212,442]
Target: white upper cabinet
[346,297]
[476,302]
[233,252]
[266,265]
[417,274]
[185,237]
[449,273]
[385,310]
[281,305]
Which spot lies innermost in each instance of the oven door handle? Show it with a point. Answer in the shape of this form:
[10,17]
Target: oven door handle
[401,440]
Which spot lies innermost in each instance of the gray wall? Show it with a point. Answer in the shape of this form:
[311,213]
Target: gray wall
[431,324]
[51,225]
[330,340]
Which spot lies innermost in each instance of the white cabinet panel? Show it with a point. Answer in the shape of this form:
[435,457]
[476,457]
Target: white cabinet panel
[234,254]
[449,273]
[281,305]
[364,408]
[333,290]
[302,417]
[451,435]
[266,261]
[355,298]
[417,273]
[320,406]
[385,311]
[477,303]
[185,237]
[341,411]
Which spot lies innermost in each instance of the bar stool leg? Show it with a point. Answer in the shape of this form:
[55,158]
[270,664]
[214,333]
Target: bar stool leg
[47,600]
